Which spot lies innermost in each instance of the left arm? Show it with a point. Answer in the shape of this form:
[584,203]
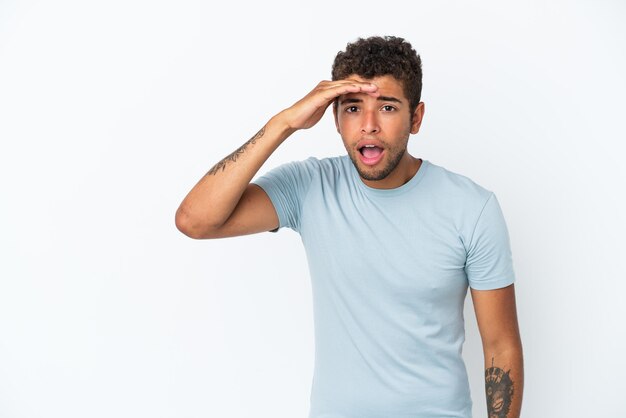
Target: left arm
[496,315]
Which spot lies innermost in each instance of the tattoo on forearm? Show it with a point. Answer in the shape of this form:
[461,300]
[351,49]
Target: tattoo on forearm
[232,157]
[499,389]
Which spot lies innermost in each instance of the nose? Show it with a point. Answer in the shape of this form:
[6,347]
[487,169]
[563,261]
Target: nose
[370,123]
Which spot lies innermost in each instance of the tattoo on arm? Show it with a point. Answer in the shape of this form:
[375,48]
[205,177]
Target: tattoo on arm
[499,389]
[232,157]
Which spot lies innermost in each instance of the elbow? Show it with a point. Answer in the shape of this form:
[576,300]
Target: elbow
[184,223]
[191,226]
[510,345]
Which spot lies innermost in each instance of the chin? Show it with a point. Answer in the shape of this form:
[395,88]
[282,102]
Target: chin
[373,175]
[376,173]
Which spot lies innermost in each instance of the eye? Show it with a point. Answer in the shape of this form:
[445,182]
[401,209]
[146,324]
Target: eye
[388,108]
[352,109]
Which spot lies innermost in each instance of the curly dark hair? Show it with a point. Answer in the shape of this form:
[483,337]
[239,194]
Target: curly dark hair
[378,56]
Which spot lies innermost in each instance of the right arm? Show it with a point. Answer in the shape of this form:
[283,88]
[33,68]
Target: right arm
[224,203]
[210,204]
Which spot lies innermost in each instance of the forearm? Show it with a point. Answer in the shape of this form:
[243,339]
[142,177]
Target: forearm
[504,380]
[211,202]
[213,199]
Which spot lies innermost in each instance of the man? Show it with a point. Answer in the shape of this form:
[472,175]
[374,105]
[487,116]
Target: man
[392,241]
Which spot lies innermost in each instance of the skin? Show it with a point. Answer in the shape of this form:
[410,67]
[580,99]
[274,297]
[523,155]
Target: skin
[225,204]
[385,118]
[496,315]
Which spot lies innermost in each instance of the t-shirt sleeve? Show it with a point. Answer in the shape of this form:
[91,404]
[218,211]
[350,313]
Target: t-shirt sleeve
[287,186]
[489,263]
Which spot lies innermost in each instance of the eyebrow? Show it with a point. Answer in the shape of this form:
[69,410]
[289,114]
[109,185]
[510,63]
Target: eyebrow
[379,98]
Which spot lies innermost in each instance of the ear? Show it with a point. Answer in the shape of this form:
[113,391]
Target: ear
[335,116]
[418,115]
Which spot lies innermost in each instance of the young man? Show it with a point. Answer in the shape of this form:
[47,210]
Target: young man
[392,241]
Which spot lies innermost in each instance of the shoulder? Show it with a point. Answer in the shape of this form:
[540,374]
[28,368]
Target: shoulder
[456,188]
[305,168]
[301,174]
[455,181]
[338,161]
[328,167]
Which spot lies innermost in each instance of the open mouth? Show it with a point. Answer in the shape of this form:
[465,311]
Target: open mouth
[371,154]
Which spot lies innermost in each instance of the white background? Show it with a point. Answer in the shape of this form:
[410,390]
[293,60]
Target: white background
[110,111]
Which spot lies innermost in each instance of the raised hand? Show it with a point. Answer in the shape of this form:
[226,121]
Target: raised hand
[306,112]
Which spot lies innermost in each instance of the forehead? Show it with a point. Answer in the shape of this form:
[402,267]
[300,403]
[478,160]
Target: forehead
[388,85]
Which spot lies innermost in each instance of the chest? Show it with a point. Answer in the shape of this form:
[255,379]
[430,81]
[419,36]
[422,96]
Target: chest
[404,246]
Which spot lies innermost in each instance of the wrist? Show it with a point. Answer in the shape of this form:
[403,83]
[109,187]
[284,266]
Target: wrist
[282,123]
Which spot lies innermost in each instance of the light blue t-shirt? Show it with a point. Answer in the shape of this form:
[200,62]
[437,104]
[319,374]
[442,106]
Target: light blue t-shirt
[389,272]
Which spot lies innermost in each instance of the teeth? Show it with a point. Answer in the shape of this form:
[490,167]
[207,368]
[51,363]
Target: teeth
[370,146]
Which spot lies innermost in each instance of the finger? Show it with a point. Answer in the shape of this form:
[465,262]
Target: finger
[369,89]
[351,85]
[333,91]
